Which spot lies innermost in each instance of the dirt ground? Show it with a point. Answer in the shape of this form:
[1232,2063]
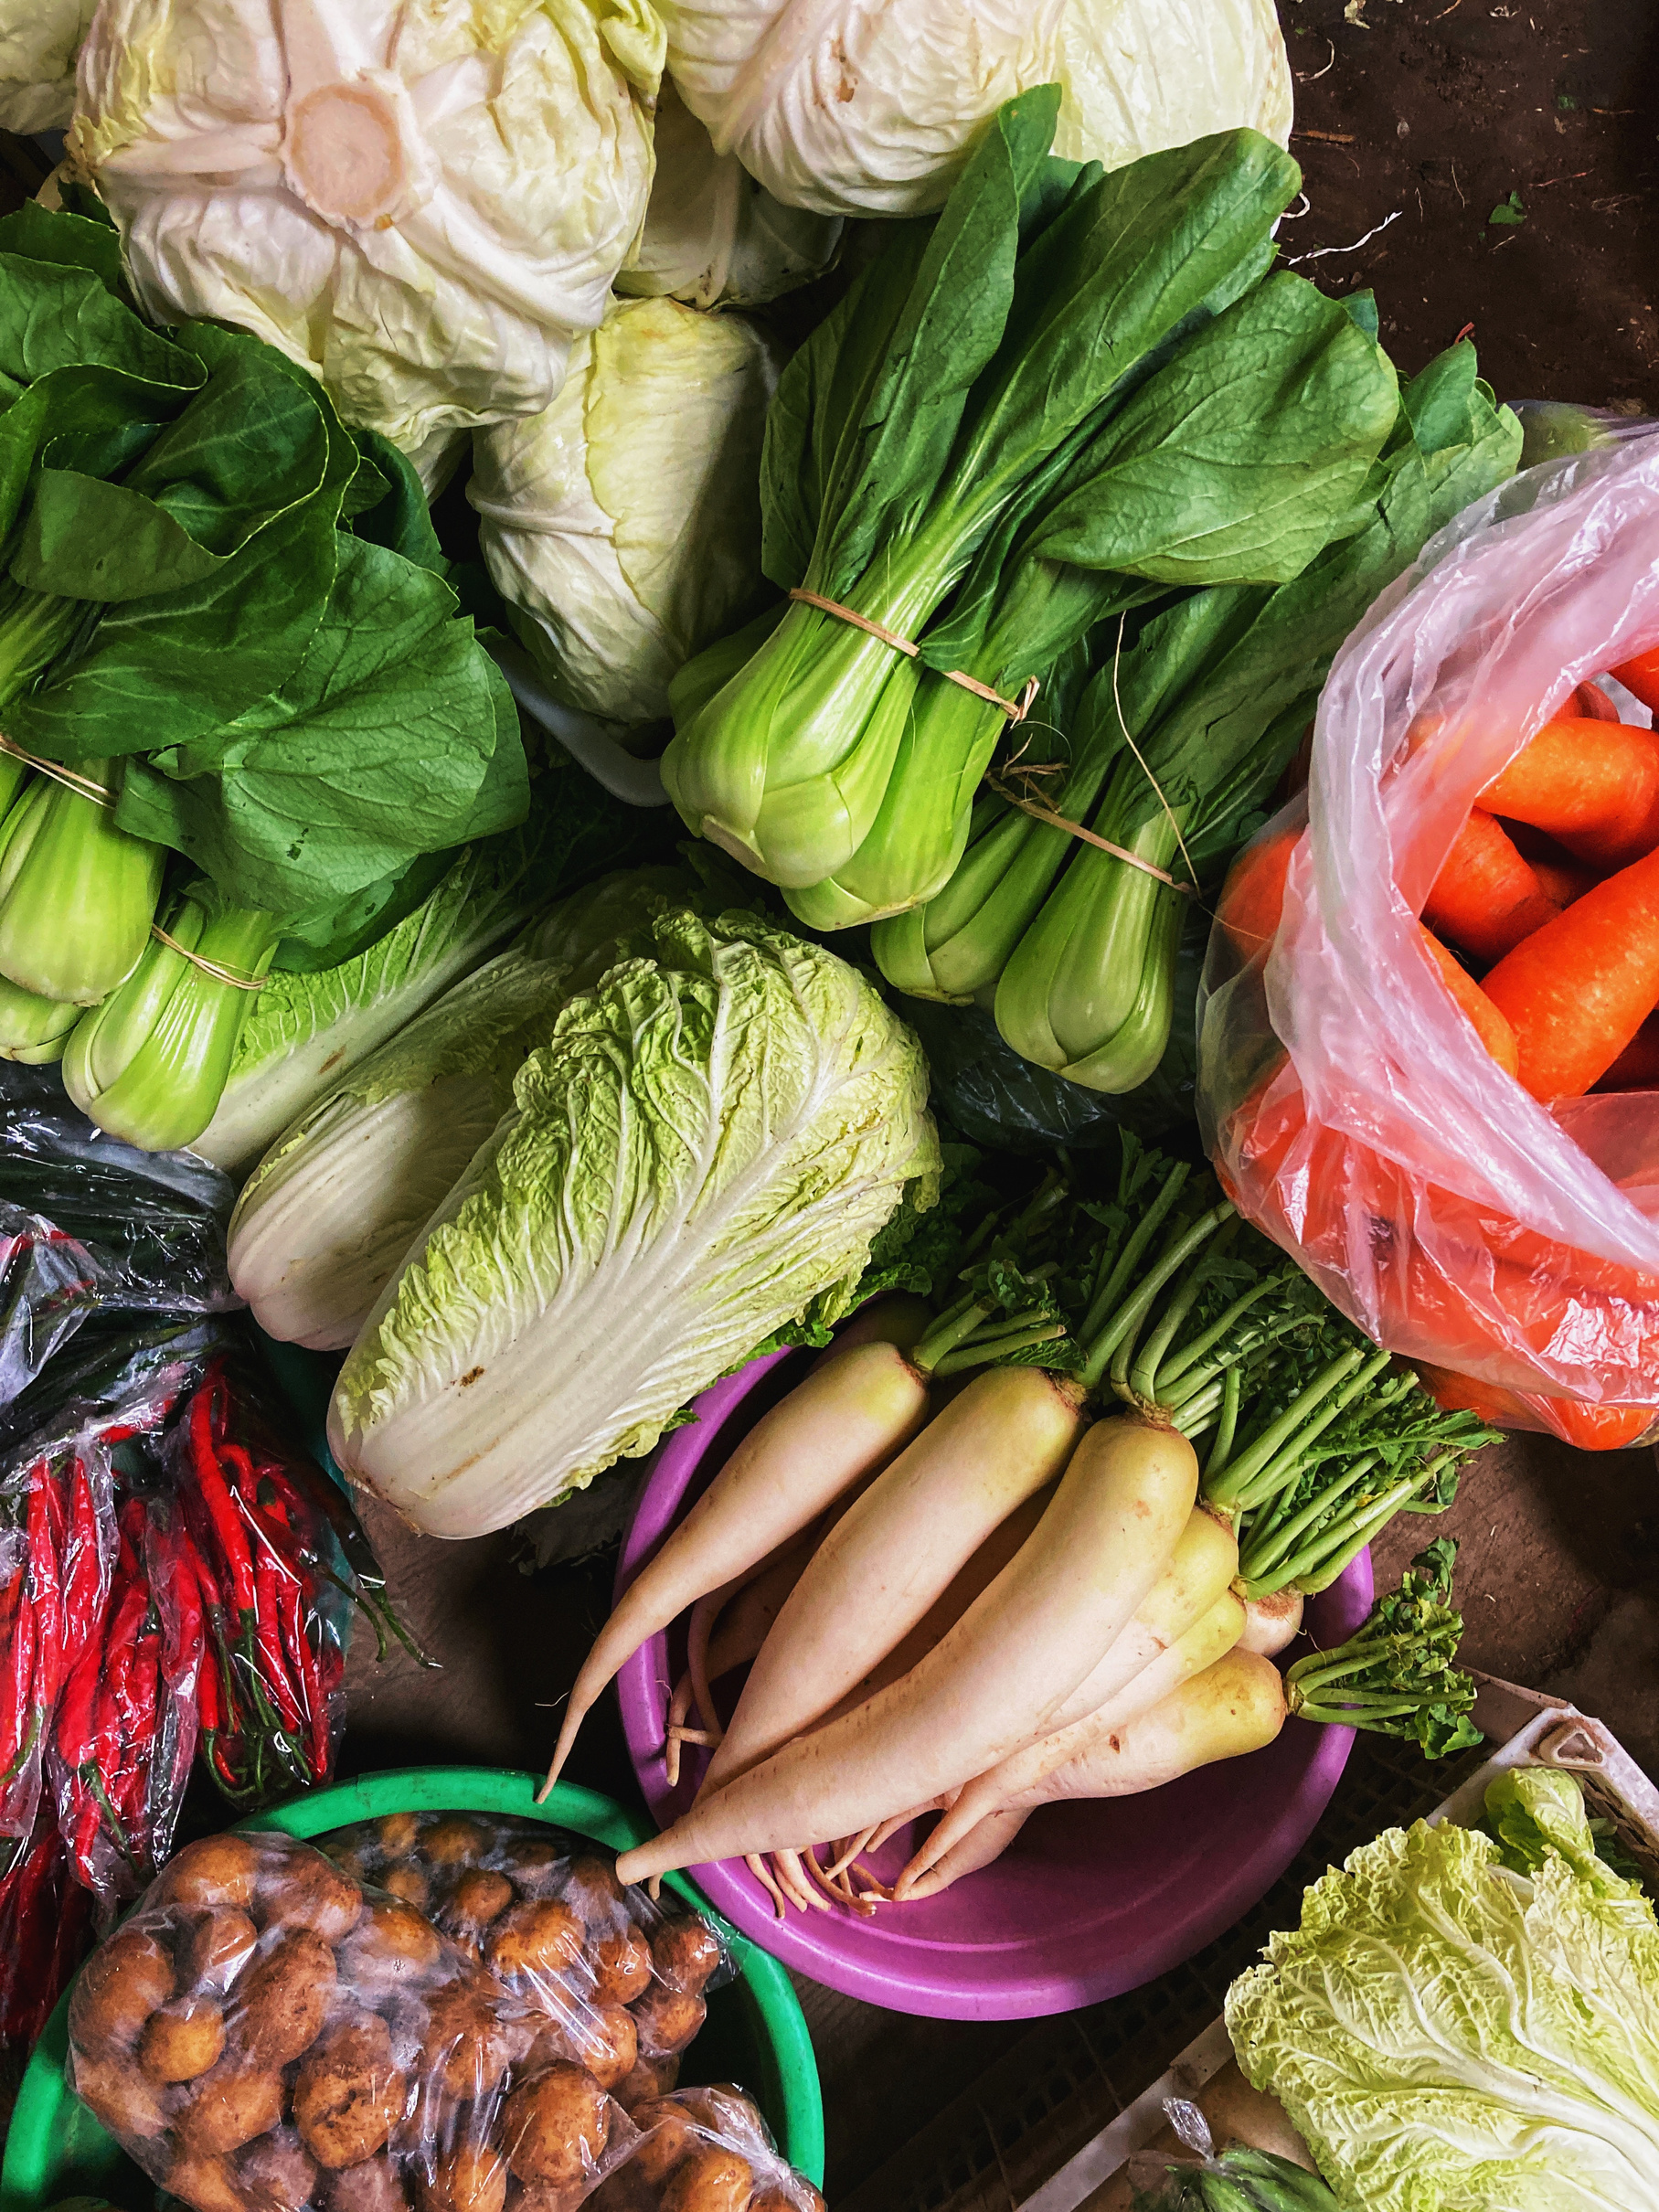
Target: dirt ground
[1418,123]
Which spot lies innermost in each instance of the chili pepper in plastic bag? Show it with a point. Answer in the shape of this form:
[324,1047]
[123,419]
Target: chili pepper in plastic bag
[45,1930]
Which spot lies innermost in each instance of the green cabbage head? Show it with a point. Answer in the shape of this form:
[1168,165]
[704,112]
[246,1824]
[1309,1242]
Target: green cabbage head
[38,42]
[707,1146]
[623,523]
[424,204]
[1451,2036]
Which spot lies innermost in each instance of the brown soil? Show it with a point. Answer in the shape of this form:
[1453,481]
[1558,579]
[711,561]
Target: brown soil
[1434,115]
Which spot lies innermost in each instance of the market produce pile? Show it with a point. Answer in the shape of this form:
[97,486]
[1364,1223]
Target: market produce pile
[638,644]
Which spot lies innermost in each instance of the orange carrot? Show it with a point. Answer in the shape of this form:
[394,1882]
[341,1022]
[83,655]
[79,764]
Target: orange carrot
[1642,676]
[1594,785]
[1490,1026]
[1563,881]
[1486,898]
[1253,898]
[1579,989]
[1590,701]
[1637,1067]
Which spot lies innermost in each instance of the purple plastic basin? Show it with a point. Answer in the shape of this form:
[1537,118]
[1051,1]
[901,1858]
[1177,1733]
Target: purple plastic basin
[1092,1899]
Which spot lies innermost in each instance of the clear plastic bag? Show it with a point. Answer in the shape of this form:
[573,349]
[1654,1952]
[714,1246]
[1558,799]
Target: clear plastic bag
[1235,2180]
[153,1222]
[620,1979]
[265,2030]
[49,1282]
[705,2151]
[1350,1109]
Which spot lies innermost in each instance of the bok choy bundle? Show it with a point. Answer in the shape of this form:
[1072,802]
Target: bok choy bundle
[1172,756]
[1070,394]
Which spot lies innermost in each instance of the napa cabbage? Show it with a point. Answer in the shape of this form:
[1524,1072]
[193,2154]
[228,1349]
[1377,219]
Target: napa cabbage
[1450,2034]
[38,42]
[707,1145]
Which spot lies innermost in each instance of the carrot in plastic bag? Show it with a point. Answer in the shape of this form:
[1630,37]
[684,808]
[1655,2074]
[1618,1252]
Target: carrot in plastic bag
[1594,784]
[1486,897]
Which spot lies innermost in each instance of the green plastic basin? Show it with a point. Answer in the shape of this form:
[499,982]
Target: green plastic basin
[755,2033]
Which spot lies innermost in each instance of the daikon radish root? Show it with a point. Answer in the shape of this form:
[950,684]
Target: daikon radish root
[1234,1706]
[1013,1781]
[1271,1622]
[848,1416]
[894,1554]
[899,1318]
[987,1688]
[983,1844]
[1201,1568]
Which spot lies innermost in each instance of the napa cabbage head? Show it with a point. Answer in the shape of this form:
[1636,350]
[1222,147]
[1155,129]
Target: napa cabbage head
[328,1214]
[707,1146]
[871,107]
[38,42]
[623,525]
[424,204]
[1449,2035]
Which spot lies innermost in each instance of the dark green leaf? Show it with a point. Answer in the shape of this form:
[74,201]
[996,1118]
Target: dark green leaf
[68,240]
[396,515]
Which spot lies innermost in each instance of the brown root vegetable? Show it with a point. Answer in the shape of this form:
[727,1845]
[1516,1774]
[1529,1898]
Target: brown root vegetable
[373,2184]
[555,2127]
[540,1936]
[715,2178]
[276,2173]
[208,2183]
[121,1986]
[406,1884]
[349,2093]
[398,1834]
[228,2107]
[534,1862]
[686,1953]
[280,2004]
[467,2047]
[624,2189]
[472,2178]
[183,2039]
[314,1895]
[668,2135]
[667,2019]
[216,1949]
[651,2079]
[218,1870]
[593,1891]
[622,1967]
[608,2044]
[477,1899]
[454,1841]
[392,1948]
[125,2098]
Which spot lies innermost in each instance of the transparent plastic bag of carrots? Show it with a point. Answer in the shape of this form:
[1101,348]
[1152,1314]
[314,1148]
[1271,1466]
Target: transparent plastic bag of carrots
[1357,1089]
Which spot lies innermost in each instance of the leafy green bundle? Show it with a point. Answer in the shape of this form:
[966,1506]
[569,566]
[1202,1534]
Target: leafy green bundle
[226,633]
[1176,745]
[1068,395]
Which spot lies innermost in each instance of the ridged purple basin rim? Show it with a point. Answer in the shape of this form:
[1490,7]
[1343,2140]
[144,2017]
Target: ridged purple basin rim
[1093,1900]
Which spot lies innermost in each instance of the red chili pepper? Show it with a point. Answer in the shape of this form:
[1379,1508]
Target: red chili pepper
[19,1722]
[85,1589]
[270,1639]
[46,1587]
[228,1530]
